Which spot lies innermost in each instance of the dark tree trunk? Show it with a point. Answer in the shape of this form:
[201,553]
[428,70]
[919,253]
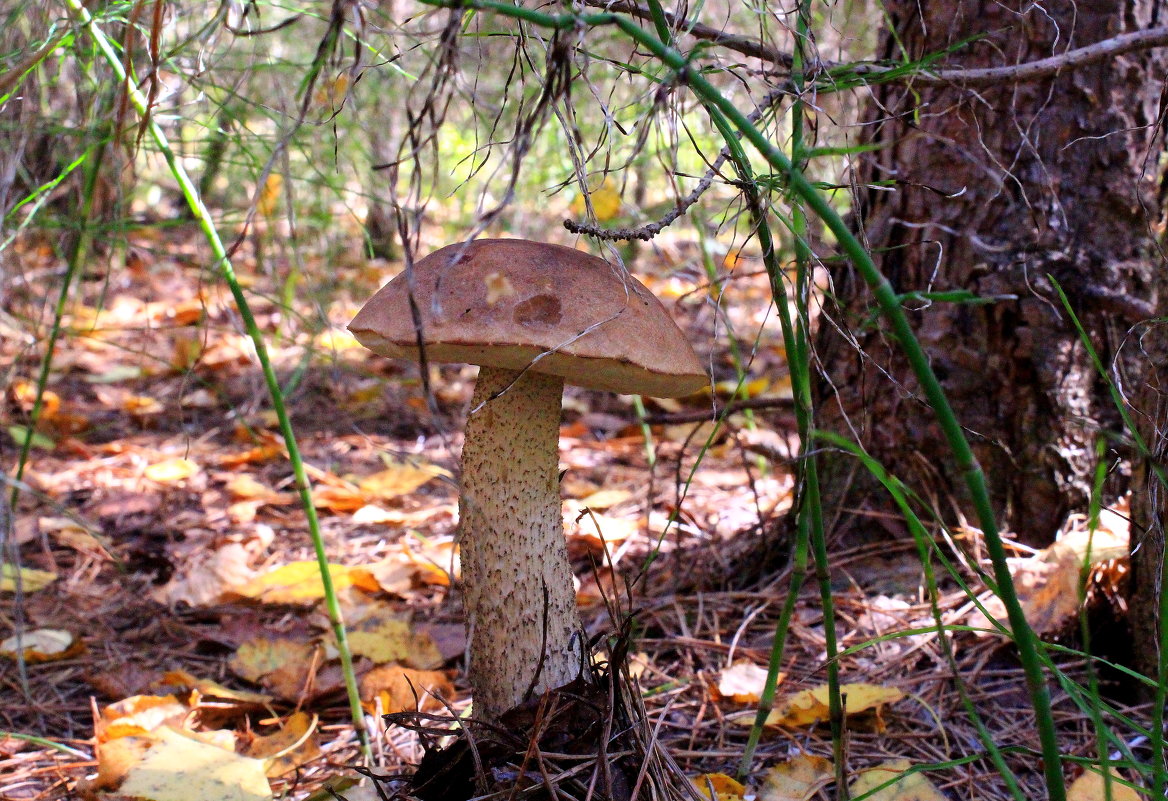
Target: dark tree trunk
[991,190]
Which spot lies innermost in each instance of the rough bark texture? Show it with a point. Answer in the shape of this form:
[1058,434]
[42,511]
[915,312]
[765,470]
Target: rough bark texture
[1149,507]
[990,191]
[520,600]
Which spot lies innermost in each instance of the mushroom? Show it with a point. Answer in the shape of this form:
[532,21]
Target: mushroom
[532,316]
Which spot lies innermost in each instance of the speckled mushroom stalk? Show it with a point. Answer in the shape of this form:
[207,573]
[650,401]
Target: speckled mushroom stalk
[567,317]
[520,600]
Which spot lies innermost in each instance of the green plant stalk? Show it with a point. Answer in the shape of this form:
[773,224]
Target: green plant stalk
[46,743]
[203,217]
[803,260]
[1084,629]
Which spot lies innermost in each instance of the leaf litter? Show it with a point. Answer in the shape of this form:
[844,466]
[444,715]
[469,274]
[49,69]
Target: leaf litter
[165,535]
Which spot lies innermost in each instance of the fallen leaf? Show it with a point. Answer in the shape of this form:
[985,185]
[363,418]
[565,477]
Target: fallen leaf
[284,666]
[400,689]
[1047,585]
[213,689]
[270,195]
[718,787]
[398,479]
[908,787]
[606,201]
[207,577]
[289,748]
[138,715]
[171,471]
[797,779]
[811,706]
[300,582]
[742,682]
[31,580]
[604,499]
[42,645]
[179,768]
[1090,787]
[385,637]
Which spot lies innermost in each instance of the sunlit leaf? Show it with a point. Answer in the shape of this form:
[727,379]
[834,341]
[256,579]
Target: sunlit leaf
[742,682]
[606,201]
[909,787]
[31,580]
[300,582]
[811,706]
[179,768]
[385,637]
[171,471]
[138,715]
[718,787]
[1047,585]
[42,645]
[213,689]
[292,746]
[797,779]
[269,199]
[392,688]
[1091,787]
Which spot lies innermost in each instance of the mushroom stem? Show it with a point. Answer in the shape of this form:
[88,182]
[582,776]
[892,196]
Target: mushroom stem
[520,600]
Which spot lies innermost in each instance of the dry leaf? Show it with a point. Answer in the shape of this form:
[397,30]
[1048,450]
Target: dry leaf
[811,706]
[722,786]
[42,645]
[742,682]
[797,779]
[398,479]
[1090,787]
[269,198]
[909,787]
[1048,589]
[207,577]
[400,689]
[606,201]
[139,715]
[213,689]
[179,768]
[300,583]
[31,580]
[171,471]
[385,637]
[284,666]
[289,748]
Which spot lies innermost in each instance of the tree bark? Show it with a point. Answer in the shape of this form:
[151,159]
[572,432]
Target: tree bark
[992,191]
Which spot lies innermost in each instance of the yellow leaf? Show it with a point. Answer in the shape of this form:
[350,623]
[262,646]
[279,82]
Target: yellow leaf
[212,689]
[289,748]
[269,198]
[398,480]
[282,665]
[141,405]
[603,499]
[171,471]
[138,715]
[1090,787]
[811,706]
[797,779]
[31,580]
[299,582]
[179,768]
[742,682]
[42,645]
[400,689]
[910,787]
[385,637]
[1047,585]
[606,201]
[724,788]
[24,394]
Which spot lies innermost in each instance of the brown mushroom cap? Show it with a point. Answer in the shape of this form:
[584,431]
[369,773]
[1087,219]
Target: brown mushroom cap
[504,302]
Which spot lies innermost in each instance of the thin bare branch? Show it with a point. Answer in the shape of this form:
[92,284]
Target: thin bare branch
[1014,73]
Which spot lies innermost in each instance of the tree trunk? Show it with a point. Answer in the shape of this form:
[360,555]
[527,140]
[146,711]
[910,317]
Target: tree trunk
[990,190]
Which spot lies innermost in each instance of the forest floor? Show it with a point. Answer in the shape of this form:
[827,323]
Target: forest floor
[167,576]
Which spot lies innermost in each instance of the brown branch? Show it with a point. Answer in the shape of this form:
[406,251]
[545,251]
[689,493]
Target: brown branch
[1014,73]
